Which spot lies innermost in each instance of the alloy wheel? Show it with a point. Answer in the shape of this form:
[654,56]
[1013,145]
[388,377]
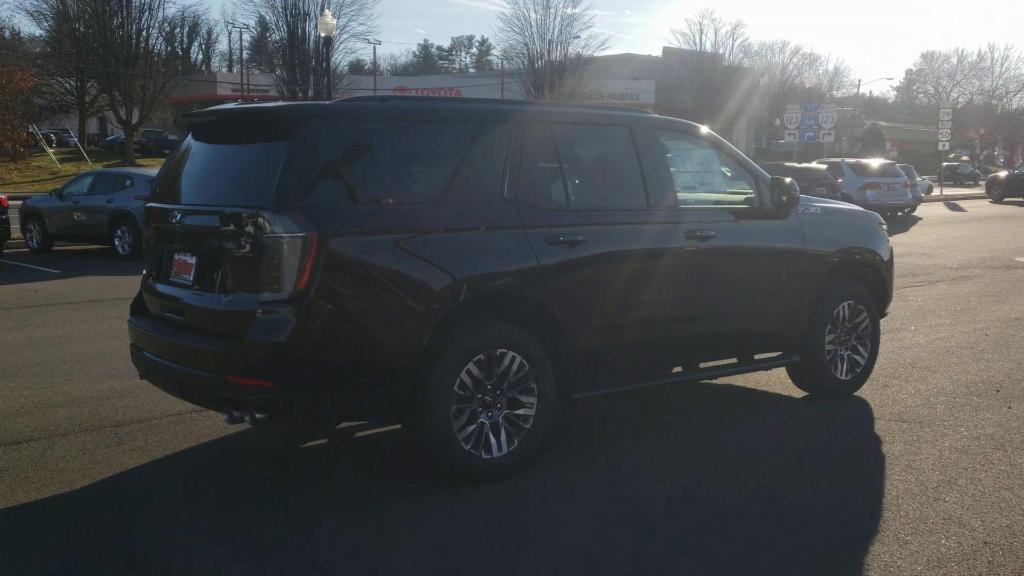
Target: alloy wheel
[123,239]
[848,340]
[494,403]
[33,235]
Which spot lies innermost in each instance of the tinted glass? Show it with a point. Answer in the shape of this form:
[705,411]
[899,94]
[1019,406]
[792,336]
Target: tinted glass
[384,163]
[875,169]
[601,166]
[909,171]
[812,174]
[105,183]
[835,169]
[79,186]
[540,182]
[222,169]
[703,175]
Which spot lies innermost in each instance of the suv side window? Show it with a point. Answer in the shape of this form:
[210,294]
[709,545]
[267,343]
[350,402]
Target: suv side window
[79,186]
[601,167]
[835,169]
[541,183]
[106,183]
[397,162]
[704,176]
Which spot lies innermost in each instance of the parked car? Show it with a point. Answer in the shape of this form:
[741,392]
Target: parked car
[915,188]
[151,142]
[960,173]
[32,142]
[874,184]
[1005,184]
[470,265]
[5,222]
[65,137]
[813,179]
[919,185]
[100,207]
[113,143]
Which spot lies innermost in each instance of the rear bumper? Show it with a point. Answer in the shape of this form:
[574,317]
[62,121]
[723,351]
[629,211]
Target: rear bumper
[212,391]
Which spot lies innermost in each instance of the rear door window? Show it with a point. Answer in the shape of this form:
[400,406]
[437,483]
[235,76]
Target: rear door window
[541,182]
[601,167]
[398,163]
[105,183]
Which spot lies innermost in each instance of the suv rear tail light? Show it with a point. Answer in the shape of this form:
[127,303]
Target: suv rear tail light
[287,263]
[906,184]
[871,186]
[3,202]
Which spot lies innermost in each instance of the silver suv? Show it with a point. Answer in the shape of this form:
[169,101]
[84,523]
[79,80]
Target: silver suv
[874,184]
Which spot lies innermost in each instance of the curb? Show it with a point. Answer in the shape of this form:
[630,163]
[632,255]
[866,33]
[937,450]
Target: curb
[955,197]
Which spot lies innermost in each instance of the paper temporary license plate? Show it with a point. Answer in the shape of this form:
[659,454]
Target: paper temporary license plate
[183,268]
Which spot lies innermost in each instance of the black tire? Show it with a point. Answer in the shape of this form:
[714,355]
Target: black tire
[814,373]
[996,193]
[1,249]
[37,240]
[481,343]
[126,239]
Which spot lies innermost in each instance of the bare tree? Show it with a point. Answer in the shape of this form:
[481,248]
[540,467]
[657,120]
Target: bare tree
[398,63]
[301,57]
[718,48]
[999,80]
[134,77]
[945,76]
[825,77]
[546,42]
[708,32]
[68,67]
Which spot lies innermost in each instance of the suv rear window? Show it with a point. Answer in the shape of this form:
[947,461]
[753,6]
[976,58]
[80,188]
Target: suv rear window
[224,164]
[875,169]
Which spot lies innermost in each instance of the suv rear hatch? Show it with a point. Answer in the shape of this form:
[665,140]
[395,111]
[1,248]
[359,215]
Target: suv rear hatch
[882,181]
[218,246]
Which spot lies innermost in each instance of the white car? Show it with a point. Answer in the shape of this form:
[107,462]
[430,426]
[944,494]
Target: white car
[874,184]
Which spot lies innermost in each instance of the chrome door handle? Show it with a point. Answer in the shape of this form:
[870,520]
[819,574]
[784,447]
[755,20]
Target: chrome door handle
[570,240]
[699,235]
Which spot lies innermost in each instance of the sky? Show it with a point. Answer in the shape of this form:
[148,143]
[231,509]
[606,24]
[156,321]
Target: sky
[878,38]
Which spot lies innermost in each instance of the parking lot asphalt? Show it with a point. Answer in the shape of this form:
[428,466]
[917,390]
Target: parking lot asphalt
[919,474]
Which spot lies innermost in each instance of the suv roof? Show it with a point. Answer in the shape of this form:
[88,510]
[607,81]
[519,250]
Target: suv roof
[288,110]
[857,160]
[432,100]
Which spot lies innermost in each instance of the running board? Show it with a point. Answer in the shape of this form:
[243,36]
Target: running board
[712,373]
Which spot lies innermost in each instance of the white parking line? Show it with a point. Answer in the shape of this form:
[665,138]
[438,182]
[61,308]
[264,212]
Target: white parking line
[50,270]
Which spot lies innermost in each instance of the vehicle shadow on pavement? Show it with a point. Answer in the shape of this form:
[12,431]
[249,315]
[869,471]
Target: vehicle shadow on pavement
[693,479]
[24,267]
[902,224]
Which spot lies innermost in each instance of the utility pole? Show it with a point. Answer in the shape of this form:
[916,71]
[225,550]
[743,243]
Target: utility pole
[241,57]
[374,43]
[501,61]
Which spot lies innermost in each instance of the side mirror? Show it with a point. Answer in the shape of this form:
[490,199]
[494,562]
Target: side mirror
[785,193]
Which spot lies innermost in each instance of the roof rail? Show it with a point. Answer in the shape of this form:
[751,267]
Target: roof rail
[491,102]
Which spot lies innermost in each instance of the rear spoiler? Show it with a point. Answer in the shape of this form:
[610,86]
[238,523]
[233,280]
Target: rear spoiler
[240,110]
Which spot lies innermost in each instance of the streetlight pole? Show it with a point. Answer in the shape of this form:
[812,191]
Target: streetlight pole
[326,26]
[501,63]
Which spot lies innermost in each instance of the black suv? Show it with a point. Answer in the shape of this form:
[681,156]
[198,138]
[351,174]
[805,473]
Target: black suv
[813,179]
[469,265]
